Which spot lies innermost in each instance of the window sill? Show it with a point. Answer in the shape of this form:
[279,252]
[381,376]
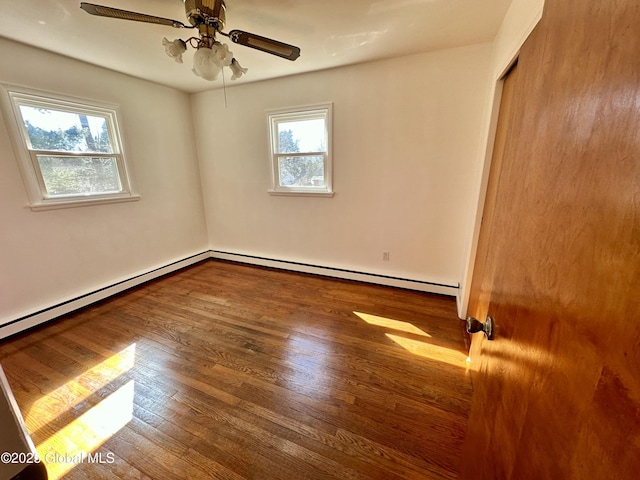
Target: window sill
[300,193]
[84,202]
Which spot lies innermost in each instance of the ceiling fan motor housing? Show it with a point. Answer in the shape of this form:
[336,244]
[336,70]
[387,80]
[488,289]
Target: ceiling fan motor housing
[206,12]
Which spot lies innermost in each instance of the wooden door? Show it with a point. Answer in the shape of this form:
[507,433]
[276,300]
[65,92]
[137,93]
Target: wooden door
[557,393]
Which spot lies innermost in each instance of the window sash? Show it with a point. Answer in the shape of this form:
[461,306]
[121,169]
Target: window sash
[34,154]
[298,117]
[278,172]
[107,116]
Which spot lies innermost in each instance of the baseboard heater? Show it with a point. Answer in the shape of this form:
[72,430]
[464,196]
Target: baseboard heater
[33,319]
[44,315]
[346,274]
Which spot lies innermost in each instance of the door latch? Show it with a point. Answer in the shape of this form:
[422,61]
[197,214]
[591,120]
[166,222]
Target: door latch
[474,326]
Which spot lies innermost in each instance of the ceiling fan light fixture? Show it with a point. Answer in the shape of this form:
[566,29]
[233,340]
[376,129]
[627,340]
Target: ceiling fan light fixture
[223,56]
[174,48]
[237,70]
[208,17]
[205,64]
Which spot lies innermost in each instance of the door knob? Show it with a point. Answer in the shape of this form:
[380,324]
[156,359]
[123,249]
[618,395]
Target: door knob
[474,325]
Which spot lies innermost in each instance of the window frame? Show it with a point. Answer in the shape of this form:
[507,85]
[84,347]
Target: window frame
[27,156]
[322,111]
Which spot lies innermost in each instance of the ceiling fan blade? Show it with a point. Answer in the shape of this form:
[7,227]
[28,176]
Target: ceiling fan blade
[103,11]
[264,44]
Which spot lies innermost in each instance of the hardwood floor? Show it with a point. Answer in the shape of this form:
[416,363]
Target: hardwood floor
[238,372]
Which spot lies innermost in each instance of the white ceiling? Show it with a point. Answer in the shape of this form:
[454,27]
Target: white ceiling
[330,33]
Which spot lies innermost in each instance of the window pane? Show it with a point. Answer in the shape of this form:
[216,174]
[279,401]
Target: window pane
[79,175]
[301,171]
[302,136]
[62,131]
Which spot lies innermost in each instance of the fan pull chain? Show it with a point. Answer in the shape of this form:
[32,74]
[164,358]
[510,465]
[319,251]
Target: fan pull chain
[224,89]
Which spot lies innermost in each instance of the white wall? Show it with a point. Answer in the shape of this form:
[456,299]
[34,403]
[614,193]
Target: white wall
[406,138]
[50,256]
[410,137]
[519,22]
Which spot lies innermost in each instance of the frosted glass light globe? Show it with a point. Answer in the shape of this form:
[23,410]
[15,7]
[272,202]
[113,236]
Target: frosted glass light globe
[205,64]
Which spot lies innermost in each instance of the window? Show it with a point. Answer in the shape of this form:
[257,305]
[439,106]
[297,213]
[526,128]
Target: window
[301,151]
[70,152]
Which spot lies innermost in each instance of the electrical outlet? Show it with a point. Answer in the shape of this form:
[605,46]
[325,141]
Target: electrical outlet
[385,256]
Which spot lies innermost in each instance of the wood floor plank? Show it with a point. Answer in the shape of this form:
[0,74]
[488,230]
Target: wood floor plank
[230,371]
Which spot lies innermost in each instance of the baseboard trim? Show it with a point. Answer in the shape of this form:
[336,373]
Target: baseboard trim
[386,280]
[33,319]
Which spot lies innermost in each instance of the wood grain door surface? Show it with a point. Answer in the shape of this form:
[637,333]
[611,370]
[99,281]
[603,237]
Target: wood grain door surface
[557,394]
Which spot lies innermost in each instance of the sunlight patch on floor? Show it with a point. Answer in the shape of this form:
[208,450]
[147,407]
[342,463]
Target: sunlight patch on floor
[72,444]
[50,406]
[391,324]
[430,351]
[422,346]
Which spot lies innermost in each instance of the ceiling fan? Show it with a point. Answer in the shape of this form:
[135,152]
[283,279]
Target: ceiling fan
[208,17]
